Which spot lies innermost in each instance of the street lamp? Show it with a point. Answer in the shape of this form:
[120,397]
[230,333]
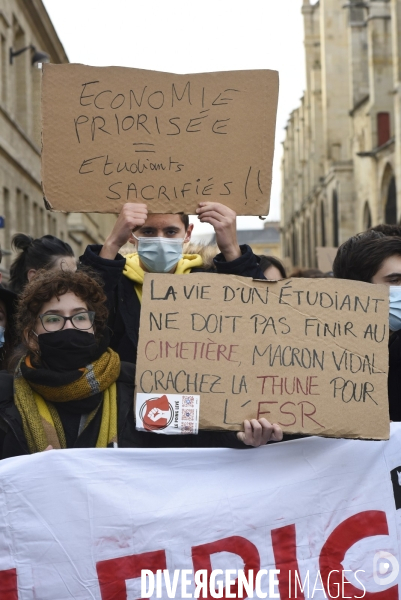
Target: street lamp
[37,55]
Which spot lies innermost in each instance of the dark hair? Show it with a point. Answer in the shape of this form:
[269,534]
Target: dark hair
[271,261]
[48,285]
[361,257]
[185,219]
[311,273]
[37,254]
[389,230]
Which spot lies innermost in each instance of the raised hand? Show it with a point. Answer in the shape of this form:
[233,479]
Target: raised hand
[223,219]
[132,215]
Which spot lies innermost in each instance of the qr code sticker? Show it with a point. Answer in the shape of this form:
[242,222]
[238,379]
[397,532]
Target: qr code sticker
[187,414]
[187,427]
[188,401]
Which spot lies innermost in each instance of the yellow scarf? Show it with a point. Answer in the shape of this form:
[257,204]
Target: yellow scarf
[40,419]
[134,271]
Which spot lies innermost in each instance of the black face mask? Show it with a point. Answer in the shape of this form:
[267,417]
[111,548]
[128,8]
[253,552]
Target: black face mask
[68,349]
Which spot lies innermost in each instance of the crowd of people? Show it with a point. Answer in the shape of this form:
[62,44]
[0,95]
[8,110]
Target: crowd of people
[69,328]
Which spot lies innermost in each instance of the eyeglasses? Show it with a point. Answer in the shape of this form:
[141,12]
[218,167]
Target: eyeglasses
[82,320]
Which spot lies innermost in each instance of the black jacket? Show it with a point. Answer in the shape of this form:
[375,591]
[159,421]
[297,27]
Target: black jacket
[394,376]
[13,441]
[123,302]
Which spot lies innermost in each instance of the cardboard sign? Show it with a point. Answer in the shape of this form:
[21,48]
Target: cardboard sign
[325,258]
[113,135]
[308,354]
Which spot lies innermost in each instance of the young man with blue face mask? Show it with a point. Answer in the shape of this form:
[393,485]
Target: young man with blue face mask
[376,258]
[159,241]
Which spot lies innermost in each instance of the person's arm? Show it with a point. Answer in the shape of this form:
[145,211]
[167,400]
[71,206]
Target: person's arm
[246,265]
[106,260]
[233,259]
[224,222]
[110,270]
[131,216]
[256,433]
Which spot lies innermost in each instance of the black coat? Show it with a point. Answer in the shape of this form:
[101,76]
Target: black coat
[394,376]
[123,301]
[13,441]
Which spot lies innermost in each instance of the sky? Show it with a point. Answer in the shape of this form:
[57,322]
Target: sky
[189,36]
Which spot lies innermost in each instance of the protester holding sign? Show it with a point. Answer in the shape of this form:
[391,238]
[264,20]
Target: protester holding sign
[376,258]
[159,240]
[70,389]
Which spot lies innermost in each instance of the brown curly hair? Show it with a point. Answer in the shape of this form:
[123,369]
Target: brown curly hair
[54,284]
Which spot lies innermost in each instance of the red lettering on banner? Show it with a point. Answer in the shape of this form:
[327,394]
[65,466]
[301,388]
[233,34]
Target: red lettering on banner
[365,524]
[236,545]
[8,585]
[285,557]
[113,573]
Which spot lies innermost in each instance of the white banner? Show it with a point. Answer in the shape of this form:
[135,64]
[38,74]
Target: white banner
[82,524]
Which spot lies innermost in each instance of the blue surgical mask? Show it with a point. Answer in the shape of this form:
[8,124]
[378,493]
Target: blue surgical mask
[2,338]
[159,254]
[395,308]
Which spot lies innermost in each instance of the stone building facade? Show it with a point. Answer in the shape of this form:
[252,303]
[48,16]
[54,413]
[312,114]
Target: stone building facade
[341,166]
[22,23]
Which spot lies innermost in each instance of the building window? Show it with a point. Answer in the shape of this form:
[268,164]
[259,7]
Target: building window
[391,204]
[41,221]
[294,248]
[20,210]
[4,67]
[26,219]
[7,224]
[383,128]
[288,248]
[335,220]
[315,237]
[308,242]
[35,220]
[322,224]
[20,67]
[367,217]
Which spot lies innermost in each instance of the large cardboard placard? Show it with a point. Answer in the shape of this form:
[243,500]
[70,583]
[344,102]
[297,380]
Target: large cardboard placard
[113,135]
[308,354]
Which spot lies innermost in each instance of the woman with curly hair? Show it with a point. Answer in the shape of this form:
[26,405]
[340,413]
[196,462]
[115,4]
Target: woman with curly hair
[70,390]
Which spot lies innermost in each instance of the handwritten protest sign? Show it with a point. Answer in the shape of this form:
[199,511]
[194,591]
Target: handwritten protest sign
[113,135]
[308,354]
